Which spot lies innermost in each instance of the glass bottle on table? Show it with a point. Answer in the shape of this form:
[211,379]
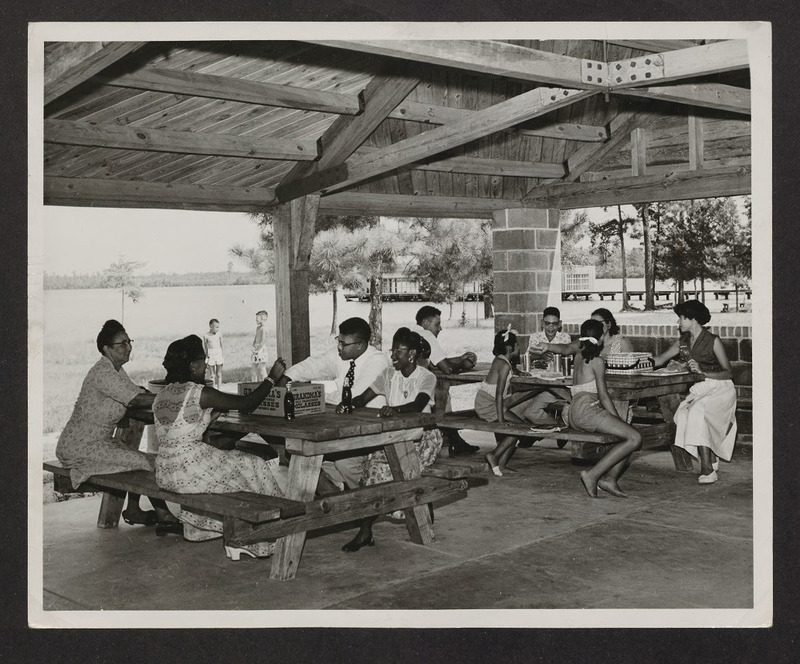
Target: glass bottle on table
[288,402]
[347,398]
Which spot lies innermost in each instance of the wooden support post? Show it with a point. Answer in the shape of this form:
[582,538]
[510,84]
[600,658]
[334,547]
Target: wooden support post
[696,143]
[294,236]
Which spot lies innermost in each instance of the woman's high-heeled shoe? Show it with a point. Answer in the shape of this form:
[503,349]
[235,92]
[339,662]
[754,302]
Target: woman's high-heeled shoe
[355,544]
[164,528]
[235,553]
[140,518]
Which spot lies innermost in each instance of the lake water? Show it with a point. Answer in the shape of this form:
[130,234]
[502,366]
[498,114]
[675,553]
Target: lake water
[177,311]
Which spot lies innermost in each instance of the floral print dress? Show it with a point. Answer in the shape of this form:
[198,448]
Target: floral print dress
[186,464]
[86,445]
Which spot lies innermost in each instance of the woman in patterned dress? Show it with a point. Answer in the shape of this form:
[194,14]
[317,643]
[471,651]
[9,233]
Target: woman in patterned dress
[408,388]
[87,446]
[188,464]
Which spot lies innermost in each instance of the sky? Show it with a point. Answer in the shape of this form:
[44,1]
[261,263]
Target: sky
[86,240]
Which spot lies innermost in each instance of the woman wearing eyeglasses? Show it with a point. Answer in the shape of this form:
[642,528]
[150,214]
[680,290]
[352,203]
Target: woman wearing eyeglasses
[86,445]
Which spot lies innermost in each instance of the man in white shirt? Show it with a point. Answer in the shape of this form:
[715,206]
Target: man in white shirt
[331,369]
[534,409]
[429,325]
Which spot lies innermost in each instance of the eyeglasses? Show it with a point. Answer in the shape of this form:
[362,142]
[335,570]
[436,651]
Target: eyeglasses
[341,343]
[128,342]
[551,323]
[397,351]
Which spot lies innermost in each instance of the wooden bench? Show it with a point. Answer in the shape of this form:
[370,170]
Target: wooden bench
[231,508]
[583,445]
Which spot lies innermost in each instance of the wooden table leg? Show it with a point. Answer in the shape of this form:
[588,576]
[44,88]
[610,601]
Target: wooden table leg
[129,433]
[404,462]
[669,404]
[303,477]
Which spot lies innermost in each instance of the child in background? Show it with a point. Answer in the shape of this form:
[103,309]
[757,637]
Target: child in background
[489,401]
[592,410]
[212,345]
[258,369]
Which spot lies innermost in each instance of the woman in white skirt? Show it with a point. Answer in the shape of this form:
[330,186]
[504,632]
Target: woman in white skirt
[706,420]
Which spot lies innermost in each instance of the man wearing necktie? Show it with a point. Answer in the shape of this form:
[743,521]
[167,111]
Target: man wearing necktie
[354,363]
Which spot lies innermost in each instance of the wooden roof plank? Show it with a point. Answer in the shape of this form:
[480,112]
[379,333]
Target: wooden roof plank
[500,116]
[70,64]
[483,57]
[185,142]
[237,89]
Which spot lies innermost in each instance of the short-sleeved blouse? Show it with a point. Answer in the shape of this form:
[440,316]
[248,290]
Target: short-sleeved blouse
[399,389]
[86,444]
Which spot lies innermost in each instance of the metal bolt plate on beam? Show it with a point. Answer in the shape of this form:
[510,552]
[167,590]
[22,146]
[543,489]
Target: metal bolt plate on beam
[635,71]
[594,72]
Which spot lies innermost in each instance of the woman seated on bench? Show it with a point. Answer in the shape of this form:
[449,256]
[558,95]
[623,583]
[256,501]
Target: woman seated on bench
[593,410]
[86,445]
[408,388]
[187,464]
[706,420]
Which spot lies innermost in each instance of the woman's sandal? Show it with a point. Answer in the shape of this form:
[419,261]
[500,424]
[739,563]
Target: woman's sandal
[164,528]
[140,518]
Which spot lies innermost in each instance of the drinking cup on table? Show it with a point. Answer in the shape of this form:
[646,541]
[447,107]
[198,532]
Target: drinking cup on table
[526,362]
[555,365]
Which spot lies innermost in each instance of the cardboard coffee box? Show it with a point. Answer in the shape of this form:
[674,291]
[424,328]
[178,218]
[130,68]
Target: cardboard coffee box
[309,398]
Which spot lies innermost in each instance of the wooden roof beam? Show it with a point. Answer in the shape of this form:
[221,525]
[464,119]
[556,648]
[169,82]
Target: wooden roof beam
[422,146]
[69,64]
[236,89]
[351,202]
[708,95]
[673,186]
[479,56]
[415,111]
[676,65]
[652,45]
[67,132]
[482,166]
[346,134]
[101,192]
[588,156]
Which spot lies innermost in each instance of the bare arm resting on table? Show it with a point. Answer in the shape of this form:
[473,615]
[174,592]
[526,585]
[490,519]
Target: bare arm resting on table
[211,398]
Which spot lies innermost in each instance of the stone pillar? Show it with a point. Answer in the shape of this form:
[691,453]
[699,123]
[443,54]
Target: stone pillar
[523,247]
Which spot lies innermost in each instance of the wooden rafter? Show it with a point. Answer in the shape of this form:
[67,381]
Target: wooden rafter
[482,166]
[481,57]
[465,207]
[68,65]
[482,123]
[587,157]
[440,115]
[675,65]
[236,89]
[708,95]
[676,185]
[185,142]
[383,93]
[125,193]
[652,45]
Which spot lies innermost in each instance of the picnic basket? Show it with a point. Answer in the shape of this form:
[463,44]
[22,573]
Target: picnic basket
[628,364]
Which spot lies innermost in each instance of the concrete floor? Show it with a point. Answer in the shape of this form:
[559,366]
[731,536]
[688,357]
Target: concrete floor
[530,540]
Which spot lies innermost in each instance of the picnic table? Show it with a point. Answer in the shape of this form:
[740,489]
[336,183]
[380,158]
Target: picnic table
[668,388]
[307,439]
